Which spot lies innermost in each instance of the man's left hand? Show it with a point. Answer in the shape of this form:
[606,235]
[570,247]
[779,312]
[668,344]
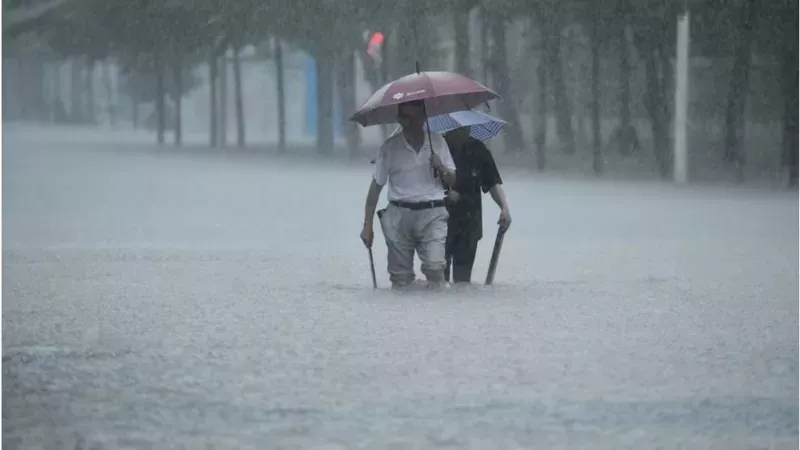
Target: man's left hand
[453,196]
[505,220]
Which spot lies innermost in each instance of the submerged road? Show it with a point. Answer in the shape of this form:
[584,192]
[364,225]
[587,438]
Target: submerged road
[169,301]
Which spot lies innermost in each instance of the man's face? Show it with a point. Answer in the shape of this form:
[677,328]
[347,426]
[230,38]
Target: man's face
[410,115]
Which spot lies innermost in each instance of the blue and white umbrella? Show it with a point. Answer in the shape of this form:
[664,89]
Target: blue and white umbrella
[482,126]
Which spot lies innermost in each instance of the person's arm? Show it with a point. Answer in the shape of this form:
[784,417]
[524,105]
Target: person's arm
[371,203]
[447,167]
[493,183]
[489,175]
[448,175]
[380,177]
[373,194]
[499,196]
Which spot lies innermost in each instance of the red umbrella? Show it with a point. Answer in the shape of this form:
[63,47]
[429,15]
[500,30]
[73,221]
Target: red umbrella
[443,92]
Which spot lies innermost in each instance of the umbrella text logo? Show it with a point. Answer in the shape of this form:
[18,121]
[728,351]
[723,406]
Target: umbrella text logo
[400,95]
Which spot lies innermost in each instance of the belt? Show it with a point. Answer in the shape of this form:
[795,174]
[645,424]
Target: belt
[416,206]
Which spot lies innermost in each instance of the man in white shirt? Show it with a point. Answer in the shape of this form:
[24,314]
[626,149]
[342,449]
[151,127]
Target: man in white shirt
[416,217]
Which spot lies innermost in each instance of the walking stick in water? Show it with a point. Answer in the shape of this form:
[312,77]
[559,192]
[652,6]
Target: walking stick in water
[498,244]
[372,268]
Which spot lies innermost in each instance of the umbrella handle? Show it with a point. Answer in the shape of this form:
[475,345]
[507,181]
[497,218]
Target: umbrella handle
[430,139]
[428,128]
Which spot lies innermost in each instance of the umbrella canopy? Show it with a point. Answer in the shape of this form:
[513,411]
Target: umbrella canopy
[482,126]
[443,92]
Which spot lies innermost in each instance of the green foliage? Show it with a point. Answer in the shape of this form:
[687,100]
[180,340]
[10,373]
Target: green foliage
[142,32]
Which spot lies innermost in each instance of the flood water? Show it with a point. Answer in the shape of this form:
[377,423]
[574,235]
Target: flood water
[170,301]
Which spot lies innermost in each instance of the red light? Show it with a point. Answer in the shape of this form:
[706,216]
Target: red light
[375,42]
[376,39]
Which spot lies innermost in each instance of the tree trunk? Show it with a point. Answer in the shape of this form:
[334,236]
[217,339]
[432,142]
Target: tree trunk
[9,112]
[76,110]
[513,133]
[40,88]
[541,125]
[160,107]
[484,34]
[55,93]
[657,108]
[597,155]
[790,128]
[345,78]
[90,110]
[25,90]
[111,106]
[575,81]
[177,72]
[222,119]
[32,89]
[281,93]
[324,63]
[213,75]
[462,44]
[552,45]
[13,82]
[625,85]
[790,79]
[740,77]
[375,76]
[403,50]
[383,73]
[666,51]
[237,86]
[626,135]
[413,43]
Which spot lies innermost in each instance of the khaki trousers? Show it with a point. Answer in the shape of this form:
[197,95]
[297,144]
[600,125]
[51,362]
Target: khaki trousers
[407,231]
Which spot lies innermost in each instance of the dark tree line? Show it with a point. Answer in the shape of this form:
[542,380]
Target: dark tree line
[158,44]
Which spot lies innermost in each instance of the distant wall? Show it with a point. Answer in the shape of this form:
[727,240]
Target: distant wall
[39,89]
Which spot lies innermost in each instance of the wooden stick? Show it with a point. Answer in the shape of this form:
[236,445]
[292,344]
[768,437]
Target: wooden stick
[498,245]
[372,267]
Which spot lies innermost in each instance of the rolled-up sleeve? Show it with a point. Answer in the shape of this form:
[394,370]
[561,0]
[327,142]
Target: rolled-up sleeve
[441,149]
[381,172]
[490,176]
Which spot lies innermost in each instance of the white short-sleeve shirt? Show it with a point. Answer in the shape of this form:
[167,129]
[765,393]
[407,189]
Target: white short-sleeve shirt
[408,173]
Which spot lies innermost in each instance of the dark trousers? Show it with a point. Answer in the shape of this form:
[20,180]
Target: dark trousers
[460,255]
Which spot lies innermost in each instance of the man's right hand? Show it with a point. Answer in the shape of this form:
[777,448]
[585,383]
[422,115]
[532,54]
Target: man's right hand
[367,235]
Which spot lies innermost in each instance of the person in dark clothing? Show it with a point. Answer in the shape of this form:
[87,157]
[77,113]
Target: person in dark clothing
[476,174]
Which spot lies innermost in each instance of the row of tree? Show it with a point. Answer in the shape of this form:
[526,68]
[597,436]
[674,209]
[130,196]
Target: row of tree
[159,42]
